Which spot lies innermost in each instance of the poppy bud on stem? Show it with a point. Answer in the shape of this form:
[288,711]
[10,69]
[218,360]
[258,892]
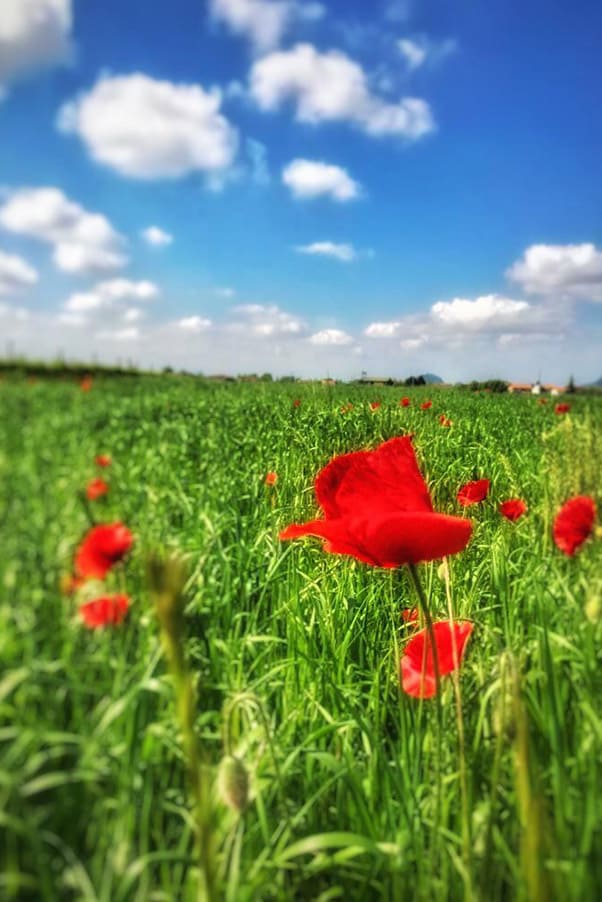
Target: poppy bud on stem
[166,580]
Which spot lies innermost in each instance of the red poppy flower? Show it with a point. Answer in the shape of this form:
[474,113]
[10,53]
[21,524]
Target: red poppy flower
[110,610]
[513,509]
[86,383]
[574,523]
[271,478]
[562,408]
[445,421]
[374,405]
[297,402]
[101,548]
[102,460]
[426,405]
[417,664]
[473,492]
[378,510]
[405,402]
[346,408]
[96,489]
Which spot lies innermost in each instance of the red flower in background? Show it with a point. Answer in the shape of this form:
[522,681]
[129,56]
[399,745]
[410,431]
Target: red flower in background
[562,408]
[473,492]
[102,460]
[542,401]
[574,523]
[410,616]
[405,402]
[296,403]
[417,664]
[101,548]
[445,421]
[374,405]
[346,408]
[86,383]
[426,405]
[513,509]
[378,510]
[96,489]
[110,610]
[271,478]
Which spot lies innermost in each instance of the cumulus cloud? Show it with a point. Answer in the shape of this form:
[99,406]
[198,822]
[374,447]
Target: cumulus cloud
[263,22]
[418,51]
[346,253]
[331,87]
[34,34]
[194,323]
[82,242]
[109,294]
[266,321]
[331,337]
[560,270]
[156,237]
[15,274]
[489,312]
[150,129]
[312,178]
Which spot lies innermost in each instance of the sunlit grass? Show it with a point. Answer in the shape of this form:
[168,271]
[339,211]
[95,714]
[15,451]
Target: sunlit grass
[301,648]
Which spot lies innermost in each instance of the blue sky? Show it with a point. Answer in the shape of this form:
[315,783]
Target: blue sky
[304,187]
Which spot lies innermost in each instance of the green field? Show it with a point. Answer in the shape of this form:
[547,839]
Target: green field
[356,791]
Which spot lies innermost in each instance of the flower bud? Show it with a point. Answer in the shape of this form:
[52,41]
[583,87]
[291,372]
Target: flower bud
[233,783]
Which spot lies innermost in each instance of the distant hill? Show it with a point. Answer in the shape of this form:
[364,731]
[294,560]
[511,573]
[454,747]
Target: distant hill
[597,384]
[431,379]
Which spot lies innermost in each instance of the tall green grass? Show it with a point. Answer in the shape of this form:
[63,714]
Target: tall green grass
[355,790]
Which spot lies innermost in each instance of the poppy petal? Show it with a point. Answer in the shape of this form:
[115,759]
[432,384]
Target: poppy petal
[418,676]
[574,523]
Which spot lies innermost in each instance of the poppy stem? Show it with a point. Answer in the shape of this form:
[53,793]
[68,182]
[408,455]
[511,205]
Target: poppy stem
[424,607]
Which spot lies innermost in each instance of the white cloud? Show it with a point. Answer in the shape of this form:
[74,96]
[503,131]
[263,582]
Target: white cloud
[156,237]
[15,273]
[132,315]
[344,252]
[561,270]
[150,129]
[413,52]
[194,323]
[383,330]
[489,312]
[331,337]
[34,34]
[109,294]
[331,87]
[266,321]
[83,242]
[263,22]
[312,178]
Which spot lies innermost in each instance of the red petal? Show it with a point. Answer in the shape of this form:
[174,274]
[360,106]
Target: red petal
[387,479]
[473,492]
[513,509]
[417,663]
[574,523]
[102,547]
[110,610]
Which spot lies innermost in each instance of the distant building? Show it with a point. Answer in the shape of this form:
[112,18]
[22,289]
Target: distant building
[536,388]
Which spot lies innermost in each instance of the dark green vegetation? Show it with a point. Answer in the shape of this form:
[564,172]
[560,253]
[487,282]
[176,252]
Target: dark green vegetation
[355,789]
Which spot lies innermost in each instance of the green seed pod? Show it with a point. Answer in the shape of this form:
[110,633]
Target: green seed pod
[233,783]
[593,609]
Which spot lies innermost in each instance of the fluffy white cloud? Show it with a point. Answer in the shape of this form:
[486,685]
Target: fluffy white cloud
[331,337]
[109,294]
[383,330]
[344,252]
[312,178]
[83,242]
[263,22]
[150,129]
[332,87]
[33,34]
[413,52]
[15,273]
[489,312]
[562,270]
[266,321]
[156,237]
[194,323]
